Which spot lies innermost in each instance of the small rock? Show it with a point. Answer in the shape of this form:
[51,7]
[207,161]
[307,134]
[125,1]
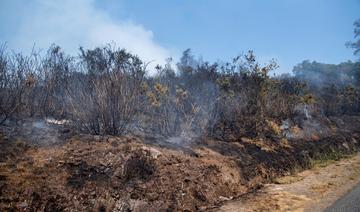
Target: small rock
[97,138]
[225,198]
[153,152]
[138,205]
[354,140]
[23,205]
[246,140]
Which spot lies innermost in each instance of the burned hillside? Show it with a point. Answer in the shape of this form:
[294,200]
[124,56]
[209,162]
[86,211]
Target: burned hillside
[102,132]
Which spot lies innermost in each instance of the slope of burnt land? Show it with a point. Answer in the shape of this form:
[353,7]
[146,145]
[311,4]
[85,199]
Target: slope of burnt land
[73,172]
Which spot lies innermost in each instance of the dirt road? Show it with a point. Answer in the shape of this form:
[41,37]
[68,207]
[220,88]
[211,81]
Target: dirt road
[310,190]
[349,202]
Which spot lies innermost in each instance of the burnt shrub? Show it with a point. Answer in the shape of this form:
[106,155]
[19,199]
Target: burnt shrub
[140,166]
[107,91]
[106,96]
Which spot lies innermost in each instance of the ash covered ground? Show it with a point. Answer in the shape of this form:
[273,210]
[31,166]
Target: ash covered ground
[45,166]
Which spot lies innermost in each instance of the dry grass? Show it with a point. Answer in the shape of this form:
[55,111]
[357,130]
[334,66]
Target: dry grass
[323,188]
[288,179]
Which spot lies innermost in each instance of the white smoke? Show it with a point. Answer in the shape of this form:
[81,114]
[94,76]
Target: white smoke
[72,24]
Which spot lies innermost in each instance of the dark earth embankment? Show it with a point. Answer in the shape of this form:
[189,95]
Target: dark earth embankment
[80,172]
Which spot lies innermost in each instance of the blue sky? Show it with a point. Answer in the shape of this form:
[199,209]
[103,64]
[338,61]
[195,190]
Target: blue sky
[287,30]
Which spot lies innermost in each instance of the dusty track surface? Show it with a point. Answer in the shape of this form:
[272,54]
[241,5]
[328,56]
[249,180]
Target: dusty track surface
[310,190]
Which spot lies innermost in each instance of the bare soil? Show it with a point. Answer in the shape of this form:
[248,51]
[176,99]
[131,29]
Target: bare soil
[310,190]
[73,172]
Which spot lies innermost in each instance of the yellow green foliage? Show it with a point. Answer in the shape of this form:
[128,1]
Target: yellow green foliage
[333,128]
[295,130]
[181,93]
[153,99]
[224,83]
[161,89]
[155,96]
[274,127]
[308,99]
[284,142]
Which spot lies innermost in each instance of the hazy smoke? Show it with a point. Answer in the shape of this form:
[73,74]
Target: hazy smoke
[72,24]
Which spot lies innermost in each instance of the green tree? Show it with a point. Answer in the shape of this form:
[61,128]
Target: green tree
[356,44]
